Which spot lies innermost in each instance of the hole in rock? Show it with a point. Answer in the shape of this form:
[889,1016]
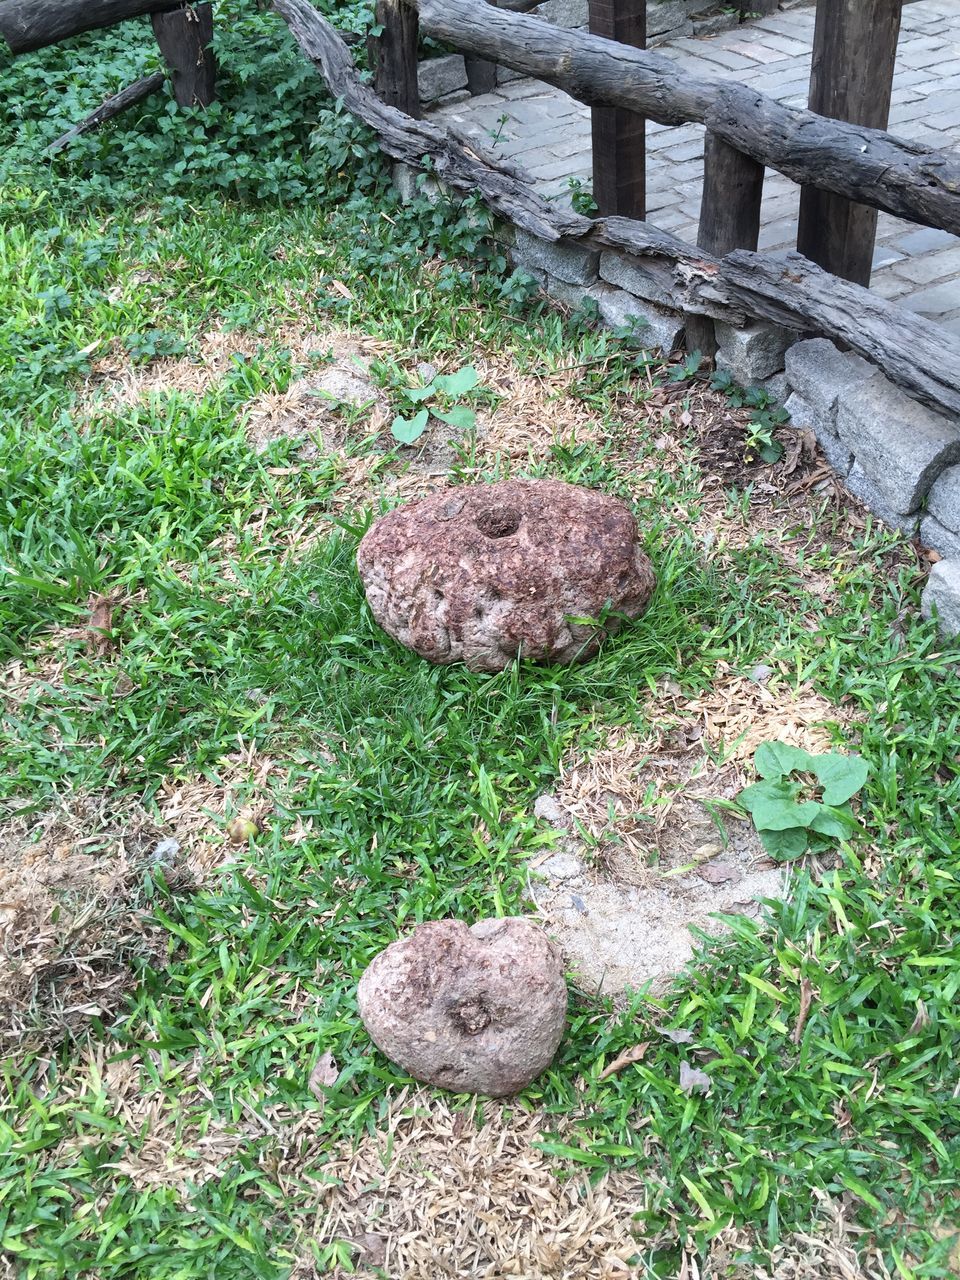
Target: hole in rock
[498,522]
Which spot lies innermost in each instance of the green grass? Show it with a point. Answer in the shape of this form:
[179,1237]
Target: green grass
[415,784]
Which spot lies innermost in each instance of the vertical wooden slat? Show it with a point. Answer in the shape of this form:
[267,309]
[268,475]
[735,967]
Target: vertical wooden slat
[394,55]
[729,217]
[185,36]
[851,78]
[619,143]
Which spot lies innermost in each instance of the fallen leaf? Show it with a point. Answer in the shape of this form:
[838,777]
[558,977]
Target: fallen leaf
[692,1079]
[921,1021]
[8,913]
[718,872]
[339,287]
[323,1076]
[679,1035]
[806,1000]
[99,640]
[626,1059]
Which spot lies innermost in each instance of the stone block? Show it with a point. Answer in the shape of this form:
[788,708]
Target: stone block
[564,13]
[806,418]
[864,487]
[901,445]
[934,534]
[569,295]
[715,23]
[665,15]
[439,76]
[661,37]
[640,276]
[941,596]
[617,308]
[943,501]
[777,388]
[820,373]
[567,262]
[752,352]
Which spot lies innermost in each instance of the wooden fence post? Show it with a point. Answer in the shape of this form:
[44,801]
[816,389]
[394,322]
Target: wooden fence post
[394,55]
[729,218]
[619,142]
[851,78]
[184,36]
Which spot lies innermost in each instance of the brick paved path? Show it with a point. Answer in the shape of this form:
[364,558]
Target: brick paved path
[548,133]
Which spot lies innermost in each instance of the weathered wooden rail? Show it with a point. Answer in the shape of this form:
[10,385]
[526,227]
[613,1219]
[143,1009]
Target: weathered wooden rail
[915,353]
[847,165]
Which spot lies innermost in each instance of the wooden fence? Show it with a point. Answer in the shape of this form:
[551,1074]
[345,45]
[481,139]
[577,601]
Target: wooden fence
[848,167]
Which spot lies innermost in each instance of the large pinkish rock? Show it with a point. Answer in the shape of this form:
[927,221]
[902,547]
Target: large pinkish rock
[485,573]
[473,1010]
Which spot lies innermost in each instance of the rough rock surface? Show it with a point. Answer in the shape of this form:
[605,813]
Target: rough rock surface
[485,573]
[474,1010]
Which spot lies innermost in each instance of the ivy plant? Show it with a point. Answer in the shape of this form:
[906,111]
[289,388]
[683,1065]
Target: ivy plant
[443,388]
[802,803]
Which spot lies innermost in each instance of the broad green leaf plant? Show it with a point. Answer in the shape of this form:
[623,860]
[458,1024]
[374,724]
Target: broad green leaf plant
[802,803]
[443,388]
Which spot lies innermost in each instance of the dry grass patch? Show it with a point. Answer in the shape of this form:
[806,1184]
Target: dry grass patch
[435,1192]
[73,905]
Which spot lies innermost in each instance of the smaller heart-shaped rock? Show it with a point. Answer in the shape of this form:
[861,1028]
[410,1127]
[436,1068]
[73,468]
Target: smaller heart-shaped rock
[476,1009]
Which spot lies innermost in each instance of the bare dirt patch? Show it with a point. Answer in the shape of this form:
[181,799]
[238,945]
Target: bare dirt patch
[648,852]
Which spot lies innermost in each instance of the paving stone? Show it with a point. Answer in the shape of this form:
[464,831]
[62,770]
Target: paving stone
[820,373]
[935,301]
[568,263]
[941,596]
[931,267]
[805,417]
[902,445]
[924,240]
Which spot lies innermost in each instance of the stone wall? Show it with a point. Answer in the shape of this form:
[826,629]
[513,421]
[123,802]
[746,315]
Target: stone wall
[666,20]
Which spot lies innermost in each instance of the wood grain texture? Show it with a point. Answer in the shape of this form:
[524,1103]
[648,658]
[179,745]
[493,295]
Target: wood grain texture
[851,78]
[394,55]
[185,36]
[619,136]
[729,216]
[33,24]
[866,165]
